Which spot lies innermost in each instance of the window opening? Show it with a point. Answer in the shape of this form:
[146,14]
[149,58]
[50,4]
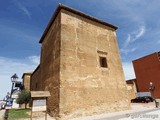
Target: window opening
[103,62]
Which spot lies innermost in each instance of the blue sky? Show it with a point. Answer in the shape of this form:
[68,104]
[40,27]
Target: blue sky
[22,23]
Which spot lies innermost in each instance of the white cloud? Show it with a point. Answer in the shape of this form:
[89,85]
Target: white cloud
[137,34]
[128,50]
[10,66]
[34,59]
[23,9]
[132,37]
[127,42]
[128,70]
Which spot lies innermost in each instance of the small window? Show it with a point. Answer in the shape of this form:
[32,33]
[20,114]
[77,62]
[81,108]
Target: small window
[103,62]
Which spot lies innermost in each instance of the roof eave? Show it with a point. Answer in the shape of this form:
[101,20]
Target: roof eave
[61,6]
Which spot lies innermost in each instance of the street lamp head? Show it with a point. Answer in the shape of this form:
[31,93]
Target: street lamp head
[14,78]
[150,83]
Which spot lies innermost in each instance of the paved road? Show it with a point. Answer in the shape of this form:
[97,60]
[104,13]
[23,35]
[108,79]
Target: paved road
[146,115]
[1,114]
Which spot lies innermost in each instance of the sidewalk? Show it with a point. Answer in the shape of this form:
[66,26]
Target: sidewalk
[135,108]
[152,115]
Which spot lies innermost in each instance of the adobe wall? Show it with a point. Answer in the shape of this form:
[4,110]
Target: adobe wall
[26,81]
[85,87]
[132,91]
[50,65]
[36,83]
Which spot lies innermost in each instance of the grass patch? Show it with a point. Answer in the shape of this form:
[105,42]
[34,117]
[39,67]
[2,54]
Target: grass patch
[15,114]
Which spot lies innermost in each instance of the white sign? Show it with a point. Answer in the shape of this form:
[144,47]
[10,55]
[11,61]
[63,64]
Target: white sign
[14,96]
[39,105]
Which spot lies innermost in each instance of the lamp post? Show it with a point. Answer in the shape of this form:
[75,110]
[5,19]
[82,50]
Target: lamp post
[13,80]
[152,88]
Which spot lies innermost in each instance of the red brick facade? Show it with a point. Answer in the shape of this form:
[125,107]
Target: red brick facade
[147,69]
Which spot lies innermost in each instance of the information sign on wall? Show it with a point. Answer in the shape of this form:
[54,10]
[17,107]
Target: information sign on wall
[39,105]
[39,100]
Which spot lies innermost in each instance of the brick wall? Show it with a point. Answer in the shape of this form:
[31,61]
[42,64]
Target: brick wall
[147,69]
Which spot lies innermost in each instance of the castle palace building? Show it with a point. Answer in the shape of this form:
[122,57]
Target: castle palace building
[80,65]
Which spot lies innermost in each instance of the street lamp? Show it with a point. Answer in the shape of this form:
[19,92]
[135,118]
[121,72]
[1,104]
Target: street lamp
[13,80]
[152,88]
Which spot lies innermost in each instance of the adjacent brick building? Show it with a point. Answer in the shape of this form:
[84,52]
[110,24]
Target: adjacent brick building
[80,65]
[147,69]
[26,77]
[132,89]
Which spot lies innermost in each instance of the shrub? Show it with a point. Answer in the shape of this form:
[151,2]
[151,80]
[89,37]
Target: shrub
[24,97]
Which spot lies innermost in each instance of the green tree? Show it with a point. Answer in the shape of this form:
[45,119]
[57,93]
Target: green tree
[24,97]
